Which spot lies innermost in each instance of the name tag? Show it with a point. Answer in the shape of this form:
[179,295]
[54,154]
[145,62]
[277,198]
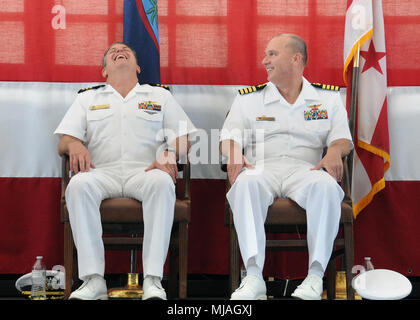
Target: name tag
[265,118]
[99,107]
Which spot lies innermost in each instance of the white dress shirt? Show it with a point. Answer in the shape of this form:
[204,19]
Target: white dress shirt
[268,127]
[130,131]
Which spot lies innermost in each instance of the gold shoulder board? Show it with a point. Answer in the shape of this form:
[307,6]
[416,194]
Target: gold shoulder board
[252,89]
[326,86]
[159,85]
[91,88]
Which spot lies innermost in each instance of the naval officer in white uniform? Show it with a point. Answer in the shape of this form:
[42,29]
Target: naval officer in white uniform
[283,127]
[123,139]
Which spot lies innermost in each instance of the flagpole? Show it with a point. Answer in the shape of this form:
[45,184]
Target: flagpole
[353,107]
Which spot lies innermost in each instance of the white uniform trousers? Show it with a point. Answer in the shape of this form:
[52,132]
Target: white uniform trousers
[314,190]
[84,194]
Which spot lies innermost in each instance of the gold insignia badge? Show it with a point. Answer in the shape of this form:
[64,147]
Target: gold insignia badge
[315,106]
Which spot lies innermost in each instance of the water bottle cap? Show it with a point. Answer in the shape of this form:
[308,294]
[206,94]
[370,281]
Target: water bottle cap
[367,258]
[39,257]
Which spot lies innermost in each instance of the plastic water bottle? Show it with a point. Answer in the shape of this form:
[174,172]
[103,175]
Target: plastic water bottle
[39,278]
[368,264]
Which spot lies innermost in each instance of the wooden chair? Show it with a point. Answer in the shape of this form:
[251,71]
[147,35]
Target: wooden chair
[286,217]
[122,223]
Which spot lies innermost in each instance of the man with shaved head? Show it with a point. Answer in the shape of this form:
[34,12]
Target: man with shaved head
[297,120]
[122,139]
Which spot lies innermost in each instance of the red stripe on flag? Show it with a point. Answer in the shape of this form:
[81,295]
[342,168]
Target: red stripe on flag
[146,23]
[373,163]
[380,138]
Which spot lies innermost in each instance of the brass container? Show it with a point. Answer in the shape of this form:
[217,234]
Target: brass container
[340,288]
[131,291]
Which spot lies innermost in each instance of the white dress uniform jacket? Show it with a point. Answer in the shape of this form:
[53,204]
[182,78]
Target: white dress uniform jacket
[123,136]
[284,142]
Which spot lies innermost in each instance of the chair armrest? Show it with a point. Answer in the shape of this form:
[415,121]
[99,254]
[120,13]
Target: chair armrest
[228,217]
[345,182]
[65,174]
[65,178]
[185,168]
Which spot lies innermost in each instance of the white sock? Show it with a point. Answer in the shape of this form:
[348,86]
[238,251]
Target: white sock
[316,269]
[93,277]
[253,269]
[153,277]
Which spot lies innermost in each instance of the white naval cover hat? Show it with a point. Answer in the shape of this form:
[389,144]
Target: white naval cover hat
[382,284]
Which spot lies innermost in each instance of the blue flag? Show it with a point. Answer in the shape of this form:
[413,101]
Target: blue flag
[141,33]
